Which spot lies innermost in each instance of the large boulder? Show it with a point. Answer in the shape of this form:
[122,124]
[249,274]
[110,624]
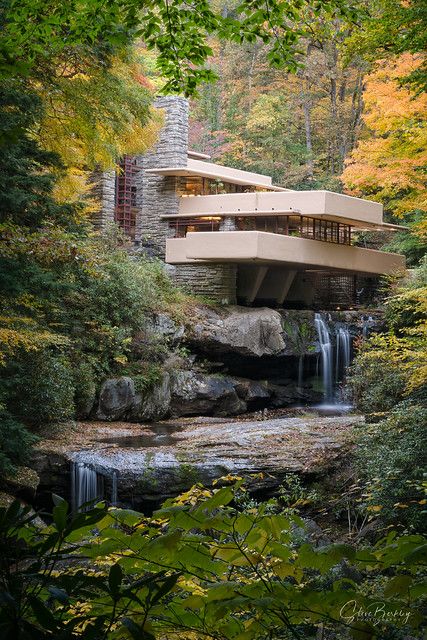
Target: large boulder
[181,393]
[255,393]
[199,394]
[238,330]
[116,398]
[155,404]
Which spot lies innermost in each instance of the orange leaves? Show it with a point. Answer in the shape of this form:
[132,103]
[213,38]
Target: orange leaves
[389,163]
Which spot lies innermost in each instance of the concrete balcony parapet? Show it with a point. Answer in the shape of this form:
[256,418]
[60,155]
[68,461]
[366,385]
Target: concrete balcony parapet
[272,249]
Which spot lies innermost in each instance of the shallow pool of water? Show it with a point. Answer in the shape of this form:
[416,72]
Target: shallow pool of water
[161,435]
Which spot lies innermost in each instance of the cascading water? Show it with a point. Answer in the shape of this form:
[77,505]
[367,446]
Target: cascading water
[343,352]
[114,496]
[326,353]
[87,485]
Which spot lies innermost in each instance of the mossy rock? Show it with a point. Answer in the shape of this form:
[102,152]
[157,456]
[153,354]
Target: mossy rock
[24,479]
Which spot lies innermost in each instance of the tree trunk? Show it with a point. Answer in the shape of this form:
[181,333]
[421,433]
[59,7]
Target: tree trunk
[251,74]
[306,105]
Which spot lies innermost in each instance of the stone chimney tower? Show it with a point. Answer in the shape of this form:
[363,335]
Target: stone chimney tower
[158,195]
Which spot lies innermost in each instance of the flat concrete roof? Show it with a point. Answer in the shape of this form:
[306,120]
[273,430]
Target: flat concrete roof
[198,156]
[202,169]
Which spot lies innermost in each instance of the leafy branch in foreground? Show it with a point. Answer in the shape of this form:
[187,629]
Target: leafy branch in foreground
[33,31]
[200,568]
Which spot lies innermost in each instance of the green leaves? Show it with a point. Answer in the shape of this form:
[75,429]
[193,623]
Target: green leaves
[243,576]
[60,513]
[176,29]
[115,578]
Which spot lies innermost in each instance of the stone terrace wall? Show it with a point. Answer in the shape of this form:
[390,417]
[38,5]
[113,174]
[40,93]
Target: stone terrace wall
[216,281]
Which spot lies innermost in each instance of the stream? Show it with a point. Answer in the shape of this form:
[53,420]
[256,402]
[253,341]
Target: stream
[132,464]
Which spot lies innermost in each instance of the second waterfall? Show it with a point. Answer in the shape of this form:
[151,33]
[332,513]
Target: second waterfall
[333,369]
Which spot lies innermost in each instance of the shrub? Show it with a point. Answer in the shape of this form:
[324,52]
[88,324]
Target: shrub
[84,388]
[391,459]
[15,443]
[200,568]
[41,389]
[375,381]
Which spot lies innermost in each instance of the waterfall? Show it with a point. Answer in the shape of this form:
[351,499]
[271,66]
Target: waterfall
[343,352]
[326,352]
[86,484]
[114,496]
[300,372]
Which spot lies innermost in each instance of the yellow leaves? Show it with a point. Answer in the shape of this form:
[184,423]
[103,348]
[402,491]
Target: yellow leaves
[387,101]
[193,496]
[228,478]
[375,508]
[192,585]
[264,113]
[13,340]
[94,118]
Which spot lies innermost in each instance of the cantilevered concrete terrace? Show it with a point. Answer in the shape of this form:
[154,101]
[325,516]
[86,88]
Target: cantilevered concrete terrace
[312,231]
[273,249]
[319,204]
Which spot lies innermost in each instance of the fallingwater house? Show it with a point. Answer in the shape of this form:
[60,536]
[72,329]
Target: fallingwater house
[233,236]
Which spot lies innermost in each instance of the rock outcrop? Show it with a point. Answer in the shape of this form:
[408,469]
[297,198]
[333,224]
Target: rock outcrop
[192,393]
[238,330]
[261,358]
[154,463]
[155,404]
[198,394]
[184,393]
[116,398]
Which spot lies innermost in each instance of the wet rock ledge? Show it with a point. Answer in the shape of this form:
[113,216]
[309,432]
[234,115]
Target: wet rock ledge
[152,462]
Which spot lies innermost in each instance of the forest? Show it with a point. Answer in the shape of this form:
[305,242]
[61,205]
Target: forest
[318,94]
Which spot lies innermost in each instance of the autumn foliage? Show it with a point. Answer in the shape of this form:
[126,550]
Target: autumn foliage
[389,161]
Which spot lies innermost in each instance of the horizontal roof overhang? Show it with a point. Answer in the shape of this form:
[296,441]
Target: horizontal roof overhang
[202,169]
[259,247]
[198,156]
[325,205]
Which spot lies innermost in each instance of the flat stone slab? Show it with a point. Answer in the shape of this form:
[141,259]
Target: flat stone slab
[165,458]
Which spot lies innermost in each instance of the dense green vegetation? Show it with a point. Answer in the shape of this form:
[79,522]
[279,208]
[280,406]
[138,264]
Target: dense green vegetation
[73,304]
[204,566]
[389,381]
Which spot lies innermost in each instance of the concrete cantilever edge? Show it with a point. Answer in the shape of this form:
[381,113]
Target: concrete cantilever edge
[323,204]
[273,249]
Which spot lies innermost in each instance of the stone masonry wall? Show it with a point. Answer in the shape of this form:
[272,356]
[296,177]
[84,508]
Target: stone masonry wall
[104,191]
[215,281]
